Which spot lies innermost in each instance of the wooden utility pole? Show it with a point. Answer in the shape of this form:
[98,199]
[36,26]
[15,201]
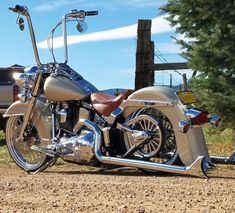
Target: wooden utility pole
[145,66]
[144,55]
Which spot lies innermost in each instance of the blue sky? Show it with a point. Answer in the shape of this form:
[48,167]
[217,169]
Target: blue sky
[107,63]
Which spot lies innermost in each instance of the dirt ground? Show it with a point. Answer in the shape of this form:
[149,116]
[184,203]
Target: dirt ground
[72,188]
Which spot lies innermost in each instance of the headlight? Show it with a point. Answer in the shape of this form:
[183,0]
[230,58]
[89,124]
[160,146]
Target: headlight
[20,79]
[24,78]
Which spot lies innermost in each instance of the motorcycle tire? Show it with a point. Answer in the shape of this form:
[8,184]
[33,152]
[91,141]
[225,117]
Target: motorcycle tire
[163,149]
[26,158]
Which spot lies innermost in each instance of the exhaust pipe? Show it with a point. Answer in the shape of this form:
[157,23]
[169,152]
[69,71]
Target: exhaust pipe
[197,168]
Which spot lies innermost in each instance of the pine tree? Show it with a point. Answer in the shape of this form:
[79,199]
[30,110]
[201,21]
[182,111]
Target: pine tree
[210,49]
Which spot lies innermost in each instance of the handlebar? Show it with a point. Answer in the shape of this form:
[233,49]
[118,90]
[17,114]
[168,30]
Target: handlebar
[91,13]
[80,14]
[19,9]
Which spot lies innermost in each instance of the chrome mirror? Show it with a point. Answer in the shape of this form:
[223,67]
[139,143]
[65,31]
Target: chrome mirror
[20,22]
[81,26]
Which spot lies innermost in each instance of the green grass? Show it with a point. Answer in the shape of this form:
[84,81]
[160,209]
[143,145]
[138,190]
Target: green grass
[1,135]
[4,155]
[213,135]
[219,143]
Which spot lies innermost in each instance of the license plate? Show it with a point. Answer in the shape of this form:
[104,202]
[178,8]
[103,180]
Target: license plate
[187,97]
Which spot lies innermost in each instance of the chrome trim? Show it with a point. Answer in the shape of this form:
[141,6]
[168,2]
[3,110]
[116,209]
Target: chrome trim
[195,169]
[214,119]
[192,113]
[114,115]
[145,103]
[224,160]
[12,115]
[30,105]
[183,126]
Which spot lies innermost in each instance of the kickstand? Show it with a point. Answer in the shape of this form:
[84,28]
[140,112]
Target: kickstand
[46,165]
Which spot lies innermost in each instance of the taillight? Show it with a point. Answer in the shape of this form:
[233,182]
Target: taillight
[197,117]
[16,91]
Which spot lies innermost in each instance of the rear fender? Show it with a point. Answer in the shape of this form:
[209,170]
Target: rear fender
[189,145]
[41,116]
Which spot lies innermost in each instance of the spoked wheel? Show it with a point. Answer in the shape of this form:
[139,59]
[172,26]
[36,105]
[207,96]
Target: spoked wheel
[162,147]
[20,151]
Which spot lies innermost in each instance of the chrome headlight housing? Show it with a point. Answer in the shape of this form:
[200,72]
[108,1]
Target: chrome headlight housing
[26,78]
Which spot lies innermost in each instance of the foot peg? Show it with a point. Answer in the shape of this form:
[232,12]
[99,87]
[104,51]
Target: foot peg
[46,151]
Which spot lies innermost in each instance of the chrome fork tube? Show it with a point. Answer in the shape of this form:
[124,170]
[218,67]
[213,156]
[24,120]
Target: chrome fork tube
[30,105]
[53,123]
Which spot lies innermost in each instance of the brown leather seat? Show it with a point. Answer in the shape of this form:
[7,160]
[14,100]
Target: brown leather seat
[105,103]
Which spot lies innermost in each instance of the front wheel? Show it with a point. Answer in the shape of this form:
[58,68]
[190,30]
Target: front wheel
[20,151]
[162,147]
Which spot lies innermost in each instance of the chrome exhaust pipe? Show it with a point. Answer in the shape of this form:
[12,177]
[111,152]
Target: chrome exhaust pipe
[224,160]
[197,168]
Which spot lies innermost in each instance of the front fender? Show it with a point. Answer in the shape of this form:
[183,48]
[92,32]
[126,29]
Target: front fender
[41,116]
[16,109]
[190,145]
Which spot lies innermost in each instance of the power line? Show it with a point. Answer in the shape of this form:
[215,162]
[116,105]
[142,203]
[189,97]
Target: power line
[161,57]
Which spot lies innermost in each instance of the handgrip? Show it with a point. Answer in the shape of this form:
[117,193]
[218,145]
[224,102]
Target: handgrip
[12,9]
[91,13]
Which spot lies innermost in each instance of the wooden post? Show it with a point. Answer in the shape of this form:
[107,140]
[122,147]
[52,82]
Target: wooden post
[185,84]
[145,66]
[144,55]
[170,80]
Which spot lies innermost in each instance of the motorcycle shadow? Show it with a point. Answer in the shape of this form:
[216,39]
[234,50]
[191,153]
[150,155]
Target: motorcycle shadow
[121,171]
[224,172]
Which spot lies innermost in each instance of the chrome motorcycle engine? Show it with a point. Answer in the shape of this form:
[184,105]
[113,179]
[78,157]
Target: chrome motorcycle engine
[80,149]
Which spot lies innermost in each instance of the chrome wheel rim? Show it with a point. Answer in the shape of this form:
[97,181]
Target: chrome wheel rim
[154,144]
[168,149]
[21,152]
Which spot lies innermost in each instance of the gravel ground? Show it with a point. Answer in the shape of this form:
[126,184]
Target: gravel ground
[72,188]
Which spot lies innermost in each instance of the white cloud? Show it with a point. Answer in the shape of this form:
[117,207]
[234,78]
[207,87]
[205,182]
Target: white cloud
[168,48]
[107,4]
[159,25]
[52,5]
[131,4]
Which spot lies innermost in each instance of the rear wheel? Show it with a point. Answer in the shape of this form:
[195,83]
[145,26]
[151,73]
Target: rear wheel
[20,151]
[162,147]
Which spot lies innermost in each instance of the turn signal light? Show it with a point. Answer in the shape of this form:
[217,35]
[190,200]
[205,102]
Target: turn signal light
[215,120]
[184,126]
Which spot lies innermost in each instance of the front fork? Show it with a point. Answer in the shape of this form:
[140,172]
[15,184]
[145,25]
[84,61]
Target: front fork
[30,105]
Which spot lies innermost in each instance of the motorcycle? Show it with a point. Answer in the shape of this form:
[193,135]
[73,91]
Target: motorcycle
[59,114]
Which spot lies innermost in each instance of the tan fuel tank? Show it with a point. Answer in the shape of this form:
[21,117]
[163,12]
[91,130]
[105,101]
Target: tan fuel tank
[61,88]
